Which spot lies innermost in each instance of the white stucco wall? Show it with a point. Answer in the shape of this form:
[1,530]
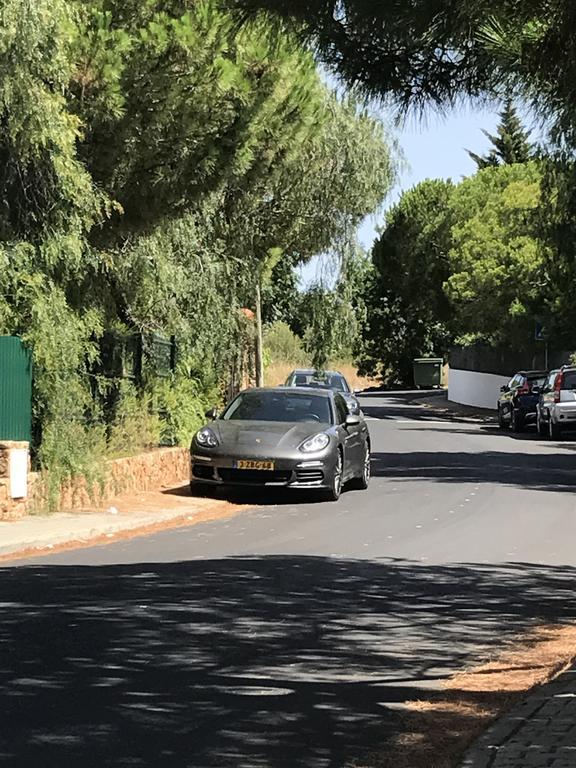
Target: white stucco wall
[472,388]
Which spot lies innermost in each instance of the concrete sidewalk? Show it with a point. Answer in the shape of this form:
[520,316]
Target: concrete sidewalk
[538,733]
[129,515]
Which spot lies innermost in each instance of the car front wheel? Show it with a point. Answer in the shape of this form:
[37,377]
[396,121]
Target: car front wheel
[541,426]
[361,482]
[517,420]
[554,430]
[333,493]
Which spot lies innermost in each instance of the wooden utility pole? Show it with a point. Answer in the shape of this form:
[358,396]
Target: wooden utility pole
[259,336]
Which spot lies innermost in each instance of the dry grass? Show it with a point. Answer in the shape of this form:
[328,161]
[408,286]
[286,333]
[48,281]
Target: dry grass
[437,730]
[277,373]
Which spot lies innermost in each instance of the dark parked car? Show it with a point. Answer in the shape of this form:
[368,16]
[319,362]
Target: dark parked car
[334,380]
[557,402]
[298,438]
[519,398]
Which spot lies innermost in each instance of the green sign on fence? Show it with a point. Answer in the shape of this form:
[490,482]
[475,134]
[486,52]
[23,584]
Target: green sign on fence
[15,390]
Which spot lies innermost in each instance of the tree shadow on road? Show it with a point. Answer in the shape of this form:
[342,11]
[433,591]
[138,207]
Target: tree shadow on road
[545,472]
[276,662]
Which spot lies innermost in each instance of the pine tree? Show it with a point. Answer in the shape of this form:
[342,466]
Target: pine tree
[510,144]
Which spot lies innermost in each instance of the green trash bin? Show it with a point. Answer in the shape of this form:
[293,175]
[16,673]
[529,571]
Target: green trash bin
[428,372]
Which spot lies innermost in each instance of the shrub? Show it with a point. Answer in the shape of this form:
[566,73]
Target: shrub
[282,345]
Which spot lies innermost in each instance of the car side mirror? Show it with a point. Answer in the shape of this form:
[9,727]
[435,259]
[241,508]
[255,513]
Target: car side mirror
[212,414]
[352,420]
[505,388]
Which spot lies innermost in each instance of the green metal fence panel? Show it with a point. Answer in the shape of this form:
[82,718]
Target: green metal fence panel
[15,390]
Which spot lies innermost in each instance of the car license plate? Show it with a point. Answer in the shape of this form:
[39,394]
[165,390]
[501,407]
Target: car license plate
[254,464]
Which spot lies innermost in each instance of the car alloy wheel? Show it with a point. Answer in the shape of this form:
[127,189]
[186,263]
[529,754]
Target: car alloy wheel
[501,423]
[333,494]
[366,472]
[517,420]
[361,482]
[541,425]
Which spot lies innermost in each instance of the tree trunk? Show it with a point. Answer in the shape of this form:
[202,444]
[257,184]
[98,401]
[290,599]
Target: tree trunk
[259,338]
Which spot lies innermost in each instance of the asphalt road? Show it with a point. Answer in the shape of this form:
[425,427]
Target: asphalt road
[291,635]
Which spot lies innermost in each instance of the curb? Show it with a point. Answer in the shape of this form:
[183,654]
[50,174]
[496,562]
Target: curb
[484,751]
[107,534]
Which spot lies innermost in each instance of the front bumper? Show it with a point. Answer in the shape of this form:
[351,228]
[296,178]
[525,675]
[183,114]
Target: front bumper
[563,414]
[303,472]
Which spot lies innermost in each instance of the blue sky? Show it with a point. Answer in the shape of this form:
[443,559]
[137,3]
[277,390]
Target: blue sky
[434,148]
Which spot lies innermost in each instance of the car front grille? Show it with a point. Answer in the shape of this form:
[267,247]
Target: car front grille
[311,476]
[254,476]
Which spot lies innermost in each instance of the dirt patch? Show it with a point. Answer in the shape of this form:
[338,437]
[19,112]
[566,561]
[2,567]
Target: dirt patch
[437,730]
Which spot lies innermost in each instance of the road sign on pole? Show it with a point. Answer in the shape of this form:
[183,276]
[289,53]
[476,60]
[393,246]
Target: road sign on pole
[539,331]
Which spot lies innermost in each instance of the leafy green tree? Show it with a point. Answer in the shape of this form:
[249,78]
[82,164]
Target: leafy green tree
[510,144]
[315,199]
[153,160]
[496,255]
[280,297]
[408,314]
[426,53]
[330,324]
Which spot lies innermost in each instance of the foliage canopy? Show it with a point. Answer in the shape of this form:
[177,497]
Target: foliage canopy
[152,158]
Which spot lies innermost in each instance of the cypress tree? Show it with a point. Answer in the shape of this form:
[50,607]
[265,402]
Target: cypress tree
[510,144]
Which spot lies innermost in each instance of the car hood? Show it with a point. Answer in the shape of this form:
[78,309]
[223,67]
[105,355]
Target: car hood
[264,435]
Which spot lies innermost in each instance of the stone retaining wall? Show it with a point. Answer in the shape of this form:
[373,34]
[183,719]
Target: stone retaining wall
[163,467]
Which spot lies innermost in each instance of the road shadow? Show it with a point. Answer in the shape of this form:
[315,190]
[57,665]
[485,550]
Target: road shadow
[252,495]
[264,662]
[409,405]
[539,471]
[530,433]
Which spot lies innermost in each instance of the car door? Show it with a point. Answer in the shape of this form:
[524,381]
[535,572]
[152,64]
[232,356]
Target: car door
[353,439]
[547,396]
[507,396]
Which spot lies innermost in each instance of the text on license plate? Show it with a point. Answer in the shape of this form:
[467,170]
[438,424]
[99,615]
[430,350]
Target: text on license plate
[254,464]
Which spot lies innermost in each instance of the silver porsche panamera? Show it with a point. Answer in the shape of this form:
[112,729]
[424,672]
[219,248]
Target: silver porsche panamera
[297,438]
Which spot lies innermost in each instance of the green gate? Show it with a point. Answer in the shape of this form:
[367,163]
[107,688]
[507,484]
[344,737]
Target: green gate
[15,390]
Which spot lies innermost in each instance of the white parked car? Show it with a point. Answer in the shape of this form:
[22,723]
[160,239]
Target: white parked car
[556,408]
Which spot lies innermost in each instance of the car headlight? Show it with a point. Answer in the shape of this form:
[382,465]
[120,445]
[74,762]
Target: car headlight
[316,443]
[206,438]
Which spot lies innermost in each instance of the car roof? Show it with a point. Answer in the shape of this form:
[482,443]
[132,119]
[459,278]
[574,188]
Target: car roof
[291,390]
[532,373]
[309,371]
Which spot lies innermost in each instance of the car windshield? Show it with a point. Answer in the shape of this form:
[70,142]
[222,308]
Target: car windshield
[569,380]
[334,381]
[279,406]
[536,382]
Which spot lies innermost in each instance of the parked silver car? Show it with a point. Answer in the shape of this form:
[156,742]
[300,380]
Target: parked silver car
[556,408]
[334,380]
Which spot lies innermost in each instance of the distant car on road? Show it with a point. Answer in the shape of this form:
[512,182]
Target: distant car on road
[518,400]
[557,402]
[334,380]
[292,437]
